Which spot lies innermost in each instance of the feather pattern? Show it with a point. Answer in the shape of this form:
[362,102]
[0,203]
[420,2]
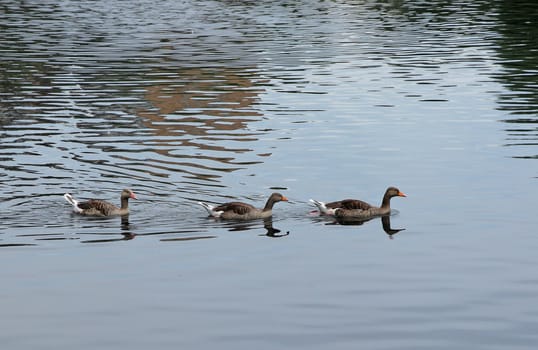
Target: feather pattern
[349,204]
[238,208]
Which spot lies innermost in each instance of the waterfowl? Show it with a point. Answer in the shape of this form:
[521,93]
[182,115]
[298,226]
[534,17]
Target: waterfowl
[357,209]
[243,211]
[98,207]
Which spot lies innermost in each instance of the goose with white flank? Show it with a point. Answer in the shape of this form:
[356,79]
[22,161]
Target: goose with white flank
[99,207]
[243,211]
[358,209]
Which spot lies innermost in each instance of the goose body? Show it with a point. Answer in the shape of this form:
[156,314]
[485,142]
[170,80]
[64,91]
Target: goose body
[358,209]
[99,207]
[243,211]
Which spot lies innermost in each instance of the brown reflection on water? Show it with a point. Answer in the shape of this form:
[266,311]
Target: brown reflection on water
[204,101]
[204,109]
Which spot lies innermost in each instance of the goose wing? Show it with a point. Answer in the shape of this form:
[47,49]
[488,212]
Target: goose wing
[101,206]
[350,204]
[235,207]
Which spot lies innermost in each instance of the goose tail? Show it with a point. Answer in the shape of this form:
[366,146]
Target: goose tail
[73,202]
[210,209]
[322,208]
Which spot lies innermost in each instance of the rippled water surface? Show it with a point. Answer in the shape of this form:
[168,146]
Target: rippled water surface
[187,101]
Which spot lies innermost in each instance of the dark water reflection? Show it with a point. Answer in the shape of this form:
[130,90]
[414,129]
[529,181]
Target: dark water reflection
[385,223]
[517,51]
[231,100]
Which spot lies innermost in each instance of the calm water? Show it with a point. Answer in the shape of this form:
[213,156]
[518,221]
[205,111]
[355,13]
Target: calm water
[185,101]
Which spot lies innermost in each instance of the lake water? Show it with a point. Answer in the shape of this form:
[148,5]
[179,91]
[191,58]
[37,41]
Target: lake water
[186,101]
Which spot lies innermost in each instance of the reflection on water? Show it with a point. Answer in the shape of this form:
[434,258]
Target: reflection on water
[272,231]
[110,105]
[178,107]
[176,102]
[125,237]
[385,223]
[205,110]
[242,225]
[518,26]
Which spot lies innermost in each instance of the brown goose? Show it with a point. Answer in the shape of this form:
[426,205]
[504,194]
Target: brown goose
[243,211]
[354,208]
[98,207]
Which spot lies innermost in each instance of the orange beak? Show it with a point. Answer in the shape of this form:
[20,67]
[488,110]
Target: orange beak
[401,194]
[133,196]
[284,199]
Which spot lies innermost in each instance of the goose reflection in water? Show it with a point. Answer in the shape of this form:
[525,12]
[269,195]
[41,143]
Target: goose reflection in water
[126,233]
[238,225]
[125,236]
[271,231]
[385,222]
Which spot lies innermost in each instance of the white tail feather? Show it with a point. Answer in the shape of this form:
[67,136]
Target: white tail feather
[322,208]
[73,202]
[210,209]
